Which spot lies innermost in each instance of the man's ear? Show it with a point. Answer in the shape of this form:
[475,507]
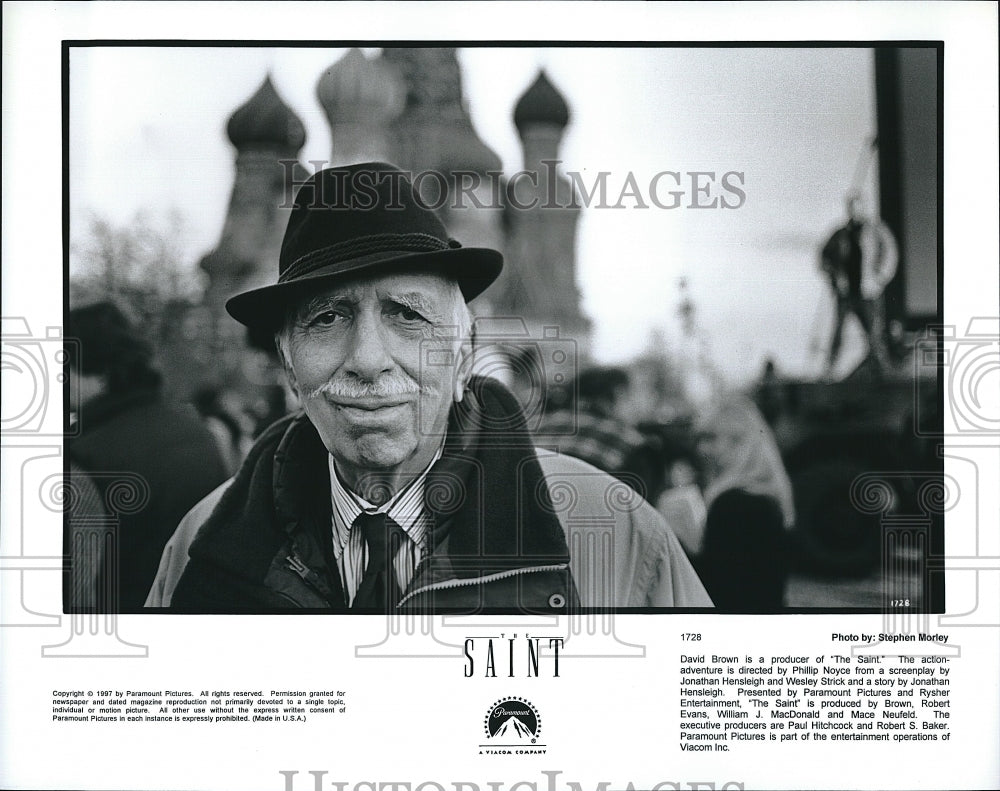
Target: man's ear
[293,382]
[462,374]
[463,369]
[289,373]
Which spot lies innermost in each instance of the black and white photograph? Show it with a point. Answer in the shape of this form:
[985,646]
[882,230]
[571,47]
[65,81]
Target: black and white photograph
[525,364]
[722,328]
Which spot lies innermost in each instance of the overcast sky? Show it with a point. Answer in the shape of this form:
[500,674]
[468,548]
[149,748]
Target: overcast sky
[149,134]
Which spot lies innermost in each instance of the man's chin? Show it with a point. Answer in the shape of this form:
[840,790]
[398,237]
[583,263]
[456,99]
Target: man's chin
[378,452]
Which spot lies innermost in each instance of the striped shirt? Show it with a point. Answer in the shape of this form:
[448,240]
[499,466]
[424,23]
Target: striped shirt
[406,509]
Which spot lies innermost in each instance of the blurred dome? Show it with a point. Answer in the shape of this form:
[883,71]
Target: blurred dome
[266,120]
[541,104]
[356,87]
[466,151]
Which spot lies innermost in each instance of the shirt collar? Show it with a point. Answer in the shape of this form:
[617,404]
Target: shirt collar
[405,508]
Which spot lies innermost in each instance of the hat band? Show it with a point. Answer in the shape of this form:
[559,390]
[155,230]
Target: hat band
[363,246]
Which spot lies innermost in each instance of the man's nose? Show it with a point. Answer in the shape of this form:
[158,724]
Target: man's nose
[368,356]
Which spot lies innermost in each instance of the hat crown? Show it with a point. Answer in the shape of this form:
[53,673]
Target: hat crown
[357,210]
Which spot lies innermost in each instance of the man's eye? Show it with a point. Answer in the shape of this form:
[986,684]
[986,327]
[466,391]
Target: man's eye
[325,318]
[407,314]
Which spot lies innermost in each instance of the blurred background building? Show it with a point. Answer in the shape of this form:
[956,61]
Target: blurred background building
[405,106]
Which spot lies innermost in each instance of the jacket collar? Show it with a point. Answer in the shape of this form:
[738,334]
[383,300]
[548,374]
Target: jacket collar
[491,508]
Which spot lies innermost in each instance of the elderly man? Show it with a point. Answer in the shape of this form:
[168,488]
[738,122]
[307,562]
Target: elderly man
[406,482]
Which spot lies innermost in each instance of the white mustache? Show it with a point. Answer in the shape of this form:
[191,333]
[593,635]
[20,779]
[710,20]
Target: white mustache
[388,386]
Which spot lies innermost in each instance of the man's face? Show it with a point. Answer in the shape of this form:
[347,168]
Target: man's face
[374,362]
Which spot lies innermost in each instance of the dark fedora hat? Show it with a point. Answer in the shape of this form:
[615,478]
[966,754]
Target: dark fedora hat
[354,219]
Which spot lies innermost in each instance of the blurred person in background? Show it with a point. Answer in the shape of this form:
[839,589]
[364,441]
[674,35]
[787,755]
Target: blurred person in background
[770,398]
[859,259]
[224,423]
[744,559]
[681,502]
[125,426]
[602,433]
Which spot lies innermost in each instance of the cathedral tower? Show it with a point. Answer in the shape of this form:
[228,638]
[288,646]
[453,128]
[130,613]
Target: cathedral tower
[434,138]
[542,219]
[266,133]
[360,98]
[207,347]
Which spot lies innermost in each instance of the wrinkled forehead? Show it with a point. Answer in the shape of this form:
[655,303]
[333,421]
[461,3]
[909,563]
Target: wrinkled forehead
[428,290]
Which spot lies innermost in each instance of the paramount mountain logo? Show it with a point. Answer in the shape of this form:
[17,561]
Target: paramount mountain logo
[512,728]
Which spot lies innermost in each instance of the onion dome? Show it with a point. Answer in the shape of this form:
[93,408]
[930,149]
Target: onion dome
[541,104]
[358,88]
[265,120]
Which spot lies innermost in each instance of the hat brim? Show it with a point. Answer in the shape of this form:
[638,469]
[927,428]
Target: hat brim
[474,268]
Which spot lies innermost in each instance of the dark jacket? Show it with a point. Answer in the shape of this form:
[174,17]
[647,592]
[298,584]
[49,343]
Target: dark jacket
[744,559]
[151,462]
[266,545]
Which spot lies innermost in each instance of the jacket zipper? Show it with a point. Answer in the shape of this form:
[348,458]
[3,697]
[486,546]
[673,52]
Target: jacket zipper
[307,575]
[457,583]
